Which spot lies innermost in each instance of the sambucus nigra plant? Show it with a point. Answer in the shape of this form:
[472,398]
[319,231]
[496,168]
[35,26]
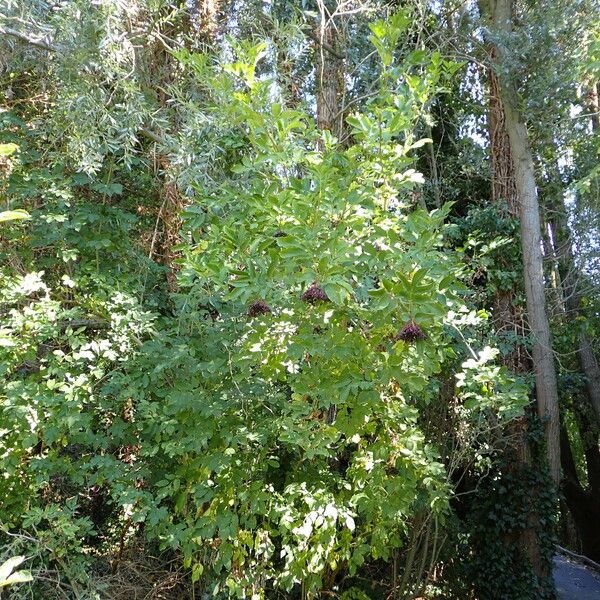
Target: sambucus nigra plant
[299,454]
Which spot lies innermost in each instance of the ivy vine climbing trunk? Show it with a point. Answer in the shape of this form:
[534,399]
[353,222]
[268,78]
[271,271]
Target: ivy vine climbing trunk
[204,19]
[507,317]
[500,15]
[329,79]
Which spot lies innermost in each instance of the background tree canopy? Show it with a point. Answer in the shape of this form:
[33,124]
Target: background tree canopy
[298,299]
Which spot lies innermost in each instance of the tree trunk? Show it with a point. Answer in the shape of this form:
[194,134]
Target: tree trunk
[543,357]
[500,15]
[507,318]
[205,16]
[503,176]
[583,502]
[572,304]
[589,364]
[207,19]
[329,77]
[588,360]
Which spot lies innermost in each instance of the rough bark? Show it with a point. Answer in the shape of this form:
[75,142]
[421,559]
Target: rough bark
[329,77]
[589,365]
[593,103]
[329,74]
[207,13]
[163,242]
[161,67]
[499,13]
[507,317]
[504,190]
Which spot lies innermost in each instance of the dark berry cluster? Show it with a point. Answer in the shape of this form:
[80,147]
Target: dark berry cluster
[258,307]
[314,294]
[411,332]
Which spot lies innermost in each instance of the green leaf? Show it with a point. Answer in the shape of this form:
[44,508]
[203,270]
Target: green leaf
[7,567]
[6,578]
[420,143]
[18,577]
[197,571]
[14,215]
[8,149]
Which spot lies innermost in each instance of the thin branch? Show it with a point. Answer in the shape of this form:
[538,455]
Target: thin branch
[269,24]
[324,45]
[24,37]
[153,136]
[155,234]
[84,323]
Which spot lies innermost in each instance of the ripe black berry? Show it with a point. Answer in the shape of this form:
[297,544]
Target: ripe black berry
[314,294]
[258,307]
[410,333]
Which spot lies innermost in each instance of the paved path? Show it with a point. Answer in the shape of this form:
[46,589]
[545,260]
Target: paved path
[575,581]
